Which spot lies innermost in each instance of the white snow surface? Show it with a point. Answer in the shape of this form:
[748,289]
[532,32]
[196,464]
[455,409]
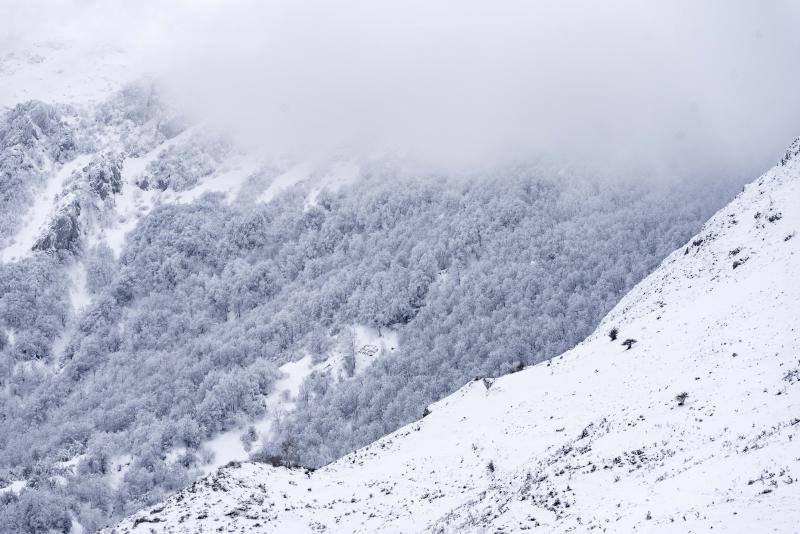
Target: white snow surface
[14,487]
[593,439]
[294,373]
[63,71]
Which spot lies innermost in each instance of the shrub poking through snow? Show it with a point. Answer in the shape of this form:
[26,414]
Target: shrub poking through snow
[613,333]
[681,398]
[628,343]
[792,376]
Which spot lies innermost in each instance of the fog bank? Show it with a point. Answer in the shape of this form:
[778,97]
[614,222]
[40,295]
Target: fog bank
[674,88]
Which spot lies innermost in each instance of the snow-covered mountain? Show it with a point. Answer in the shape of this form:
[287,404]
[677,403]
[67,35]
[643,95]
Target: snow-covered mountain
[385,280]
[115,126]
[694,427]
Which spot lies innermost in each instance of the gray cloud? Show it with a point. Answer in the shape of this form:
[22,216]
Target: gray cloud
[680,87]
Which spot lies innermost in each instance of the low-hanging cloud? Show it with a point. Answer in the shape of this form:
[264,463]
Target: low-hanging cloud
[681,87]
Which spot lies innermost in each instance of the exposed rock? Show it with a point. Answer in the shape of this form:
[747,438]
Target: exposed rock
[791,152]
[63,232]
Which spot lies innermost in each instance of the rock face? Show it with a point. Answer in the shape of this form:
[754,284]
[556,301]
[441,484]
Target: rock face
[792,152]
[88,190]
[63,232]
[601,438]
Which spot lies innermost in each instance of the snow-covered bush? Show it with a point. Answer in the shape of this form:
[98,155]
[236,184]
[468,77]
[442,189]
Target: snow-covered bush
[35,512]
[181,166]
[100,268]
[140,117]
[104,175]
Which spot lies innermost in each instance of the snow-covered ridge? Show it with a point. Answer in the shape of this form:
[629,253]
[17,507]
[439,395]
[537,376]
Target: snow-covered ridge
[598,438]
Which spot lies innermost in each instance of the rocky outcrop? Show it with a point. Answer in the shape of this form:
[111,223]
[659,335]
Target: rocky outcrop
[63,232]
[792,152]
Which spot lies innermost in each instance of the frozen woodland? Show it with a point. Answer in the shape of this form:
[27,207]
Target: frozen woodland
[414,301]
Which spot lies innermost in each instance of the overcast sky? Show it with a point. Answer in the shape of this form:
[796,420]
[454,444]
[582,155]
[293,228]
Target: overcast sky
[673,87]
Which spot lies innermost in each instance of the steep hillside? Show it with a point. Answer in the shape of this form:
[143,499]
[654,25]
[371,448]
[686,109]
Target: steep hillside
[169,298]
[695,426]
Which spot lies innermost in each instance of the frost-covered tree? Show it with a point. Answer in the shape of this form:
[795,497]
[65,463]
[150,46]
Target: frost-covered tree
[187,328]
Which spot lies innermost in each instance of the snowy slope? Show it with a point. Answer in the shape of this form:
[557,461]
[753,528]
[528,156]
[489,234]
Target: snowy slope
[64,72]
[37,216]
[88,78]
[593,439]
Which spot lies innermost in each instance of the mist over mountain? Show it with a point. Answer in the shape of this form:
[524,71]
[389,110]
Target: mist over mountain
[269,232]
[676,413]
[686,88]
